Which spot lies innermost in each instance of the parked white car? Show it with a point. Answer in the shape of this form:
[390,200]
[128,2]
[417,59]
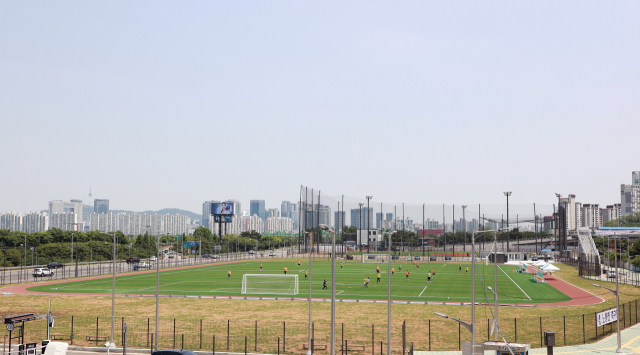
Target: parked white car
[215,256]
[144,264]
[42,272]
[272,253]
[153,258]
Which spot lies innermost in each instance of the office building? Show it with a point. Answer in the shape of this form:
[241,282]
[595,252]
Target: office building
[104,222]
[100,206]
[290,210]
[257,207]
[630,195]
[35,221]
[11,221]
[60,208]
[206,214]
[272,212]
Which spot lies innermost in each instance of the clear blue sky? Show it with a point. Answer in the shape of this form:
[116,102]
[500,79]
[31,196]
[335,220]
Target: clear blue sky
[167,104]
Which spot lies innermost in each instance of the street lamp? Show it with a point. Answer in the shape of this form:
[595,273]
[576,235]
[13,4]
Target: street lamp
[111,344]
[471,326]
[616,292]
[368,221]
[333,287]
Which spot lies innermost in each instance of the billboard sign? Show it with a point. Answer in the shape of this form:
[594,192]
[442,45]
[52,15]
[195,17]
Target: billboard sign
[606,317]
[222,208]
[222,218]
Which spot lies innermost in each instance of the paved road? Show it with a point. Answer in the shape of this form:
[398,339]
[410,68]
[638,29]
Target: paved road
[630,344]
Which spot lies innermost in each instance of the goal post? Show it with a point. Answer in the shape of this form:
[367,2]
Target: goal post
[270,284]
[374,258]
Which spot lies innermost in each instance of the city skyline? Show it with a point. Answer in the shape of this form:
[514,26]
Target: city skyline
[167,105]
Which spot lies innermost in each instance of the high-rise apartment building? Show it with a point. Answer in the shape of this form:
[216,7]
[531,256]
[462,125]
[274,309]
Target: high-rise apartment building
[206,214]
[278,224]
[252,224]
[175,224]
[611,212]
[11,221]
[591,215]
[630,195]
[100,206]
[257,207]
[35,221]
[104,222]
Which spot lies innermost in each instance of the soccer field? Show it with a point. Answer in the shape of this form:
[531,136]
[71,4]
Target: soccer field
[450,283]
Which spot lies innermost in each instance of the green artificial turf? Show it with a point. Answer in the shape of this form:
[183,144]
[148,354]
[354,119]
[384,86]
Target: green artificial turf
[450,284]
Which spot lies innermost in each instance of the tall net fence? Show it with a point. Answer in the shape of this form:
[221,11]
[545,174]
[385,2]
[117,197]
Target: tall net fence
[436,227]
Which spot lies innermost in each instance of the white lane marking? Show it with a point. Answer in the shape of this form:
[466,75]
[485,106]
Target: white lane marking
[515,284]
[339,292]
[422,291]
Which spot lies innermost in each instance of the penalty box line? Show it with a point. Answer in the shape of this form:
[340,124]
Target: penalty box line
[515,283]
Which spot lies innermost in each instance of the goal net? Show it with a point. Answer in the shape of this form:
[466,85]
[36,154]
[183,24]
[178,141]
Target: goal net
[271,284]
[374,258]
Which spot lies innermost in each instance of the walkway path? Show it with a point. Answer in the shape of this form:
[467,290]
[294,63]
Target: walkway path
[630,344]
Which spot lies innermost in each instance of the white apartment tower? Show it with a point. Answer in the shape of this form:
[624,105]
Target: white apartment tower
[175,224]
[104,222]
[11,221]
[630,195]
[35,221]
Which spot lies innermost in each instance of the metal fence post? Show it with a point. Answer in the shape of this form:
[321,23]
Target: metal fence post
[148,330]
[284,336]
[595,318]
[515,327]
[584,338]
[71,330]
[429,334]
[151,344]
[182,342]
[540,331]
[403,337]
[174,333]
[228,325]
[373,343]
[200,334]
[279,345]
[245,345]
[256,338]
[213,347]
[459,336]
[97,329]
[342,340]
[564,329]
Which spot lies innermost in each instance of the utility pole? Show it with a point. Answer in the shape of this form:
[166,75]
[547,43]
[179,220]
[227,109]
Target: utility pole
[360,224]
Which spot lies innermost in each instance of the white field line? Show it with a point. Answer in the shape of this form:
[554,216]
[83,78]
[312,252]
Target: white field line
[339,292]
[173,283]
[422,291]
[515,283]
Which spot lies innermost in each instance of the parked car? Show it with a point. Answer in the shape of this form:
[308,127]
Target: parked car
[417,257]
[349,257]
[251,252]
[171,256]
[371,257]
[206,256]
[42,272]
[612,274]
[153,258]
[272,253]
[432,258]
[173,352]
[409,258]
[133,259]
[215,256]
[144,264]
[534,258]
[395,257]
[55,265]
[447,257]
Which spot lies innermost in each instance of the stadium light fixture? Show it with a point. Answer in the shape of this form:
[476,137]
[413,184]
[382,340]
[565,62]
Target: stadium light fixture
[333,287]
[465,324]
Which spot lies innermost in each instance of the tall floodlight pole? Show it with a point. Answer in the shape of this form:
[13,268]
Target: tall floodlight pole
[310,236]
[464,228]
[389,294]
[557,238]
[111,343]
[360,226]
[333,288]
[368,222]
[507,193]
